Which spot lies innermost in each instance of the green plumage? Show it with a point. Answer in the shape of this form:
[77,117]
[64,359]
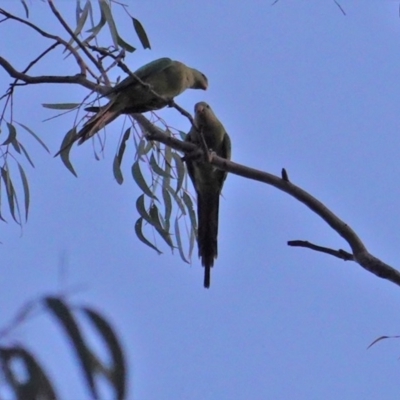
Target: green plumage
[166,77]
[208,182]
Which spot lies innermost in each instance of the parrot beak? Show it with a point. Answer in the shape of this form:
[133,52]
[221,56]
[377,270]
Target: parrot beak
[203,82]
[201,85]
[199,109]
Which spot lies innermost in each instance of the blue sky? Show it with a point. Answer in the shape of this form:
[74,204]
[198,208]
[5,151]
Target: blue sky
[297,85]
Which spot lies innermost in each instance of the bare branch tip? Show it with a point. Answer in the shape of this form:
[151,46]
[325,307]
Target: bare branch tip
[284,175]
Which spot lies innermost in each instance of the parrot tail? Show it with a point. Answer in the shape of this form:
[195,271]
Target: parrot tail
[207,233]
[97,122]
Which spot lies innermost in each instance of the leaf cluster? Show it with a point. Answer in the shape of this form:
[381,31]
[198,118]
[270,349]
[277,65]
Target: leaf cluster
[21,372]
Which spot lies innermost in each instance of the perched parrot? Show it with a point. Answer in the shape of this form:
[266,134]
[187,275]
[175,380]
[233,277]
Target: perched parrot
[208,181]
[166,77]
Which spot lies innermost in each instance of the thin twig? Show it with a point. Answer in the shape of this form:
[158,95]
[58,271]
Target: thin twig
[342,254]
[80,44]
[78,58]
[340,7]
[28,79]
[20,317]
[30,65]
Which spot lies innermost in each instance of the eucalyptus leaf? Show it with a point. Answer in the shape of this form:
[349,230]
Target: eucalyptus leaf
[141,33]
[189,206]
[139,234]
[25,186]
[35,136]
[179,241]
[118,372]
[141,208]
[65,149]
[61,106]
[62,313]
[12,134]
[110,21]
[139,179]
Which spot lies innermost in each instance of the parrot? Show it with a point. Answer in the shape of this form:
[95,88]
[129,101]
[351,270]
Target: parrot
[208,181]
[166,77]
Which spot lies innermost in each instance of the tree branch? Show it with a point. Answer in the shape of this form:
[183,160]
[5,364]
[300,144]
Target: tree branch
[152,132]
[360,252]
[76,55]
[79,43]
[30,65]
[342,254]
[77,79]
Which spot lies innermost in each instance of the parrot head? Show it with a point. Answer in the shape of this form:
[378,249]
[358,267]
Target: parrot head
[201,110]
[200,80]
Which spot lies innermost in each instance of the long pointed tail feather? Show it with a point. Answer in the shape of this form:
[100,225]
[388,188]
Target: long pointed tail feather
[207,211]
[96,123]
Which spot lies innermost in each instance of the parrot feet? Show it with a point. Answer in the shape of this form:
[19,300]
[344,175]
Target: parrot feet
[169,101]
[194,155]
[199,156]
[210,155]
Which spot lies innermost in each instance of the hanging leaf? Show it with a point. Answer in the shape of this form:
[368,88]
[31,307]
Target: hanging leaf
[180,170]
[1,199]
[141,33]
[189,206]
[143,148]
[139,179]
[124,45]
[82,15]
[16,145]
[12,134]
[118,158]
[141,207]
[382,338]
[35,383]
[25,186]
[192,241]
[65,149]
[118,371]
[35,136]
[139,234]
[156,168]
[168,206]
[167,158]
[62,313]
[61,106]
[117,171]
[96,29]
[179,241]
[11,194]
[26,155]
[25,8]
[78,10]
[156,222]
[110,21]
[177,199]
[122,147]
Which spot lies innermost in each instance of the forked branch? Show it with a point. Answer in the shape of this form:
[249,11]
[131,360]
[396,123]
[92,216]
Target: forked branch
[359,253]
